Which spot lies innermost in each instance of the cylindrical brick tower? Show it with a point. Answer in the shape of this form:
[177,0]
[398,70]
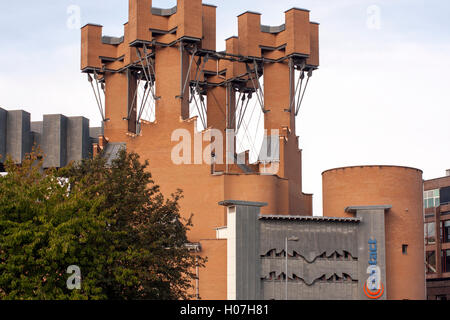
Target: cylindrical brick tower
[402,188]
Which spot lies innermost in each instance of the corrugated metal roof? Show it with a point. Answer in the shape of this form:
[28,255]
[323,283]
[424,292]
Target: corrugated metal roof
[112,40]
[309,218]
[273,29]
[111,151]
[164,12]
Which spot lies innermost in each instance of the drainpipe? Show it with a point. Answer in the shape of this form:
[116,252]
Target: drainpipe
[197,290]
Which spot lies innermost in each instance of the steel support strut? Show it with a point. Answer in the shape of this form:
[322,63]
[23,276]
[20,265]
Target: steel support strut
[97,93]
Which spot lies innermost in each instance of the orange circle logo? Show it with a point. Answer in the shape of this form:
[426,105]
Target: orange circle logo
[373,294]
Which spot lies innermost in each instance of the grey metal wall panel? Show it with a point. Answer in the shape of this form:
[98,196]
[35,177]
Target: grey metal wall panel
[18,134]
[54,141]
[309,272]
[319,269]
[322,290]
[372,227]
[112,150]
[315,238]
[3,115]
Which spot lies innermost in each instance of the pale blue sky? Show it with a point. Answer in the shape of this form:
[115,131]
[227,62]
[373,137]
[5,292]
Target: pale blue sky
[381,96]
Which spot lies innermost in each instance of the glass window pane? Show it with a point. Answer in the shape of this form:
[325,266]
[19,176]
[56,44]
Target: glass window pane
[431,261]
[430,203]
[430,233]
[436,193]
[446,232]
[445,260]
[436,202]
[431,228]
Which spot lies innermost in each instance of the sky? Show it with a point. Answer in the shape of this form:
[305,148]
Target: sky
[380,97]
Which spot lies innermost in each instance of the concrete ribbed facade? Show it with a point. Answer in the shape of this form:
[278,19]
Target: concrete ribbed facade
[61,139]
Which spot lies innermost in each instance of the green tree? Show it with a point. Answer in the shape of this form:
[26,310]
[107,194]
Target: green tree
[111,221]
[44,229]
[152,260]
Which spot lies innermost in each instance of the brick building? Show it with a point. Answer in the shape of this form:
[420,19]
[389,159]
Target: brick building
[437,237]
[253,221]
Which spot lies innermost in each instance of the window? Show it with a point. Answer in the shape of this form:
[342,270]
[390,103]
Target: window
[431,261]
[405,249]
[444,195]
[445,260]
[431,198]
[441,297]
[430,233]
[445,227]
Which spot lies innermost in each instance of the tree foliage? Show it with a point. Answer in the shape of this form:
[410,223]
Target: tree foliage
[111,221]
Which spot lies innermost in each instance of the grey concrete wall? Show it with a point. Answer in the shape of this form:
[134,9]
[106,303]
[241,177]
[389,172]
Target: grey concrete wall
[243,252]
[54,141]
[61,139]
[248,282]
[18,134]
[3,115]
[36,130]
[36,126]
[78,139]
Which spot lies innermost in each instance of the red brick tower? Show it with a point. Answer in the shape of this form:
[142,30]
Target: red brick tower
[170,54]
